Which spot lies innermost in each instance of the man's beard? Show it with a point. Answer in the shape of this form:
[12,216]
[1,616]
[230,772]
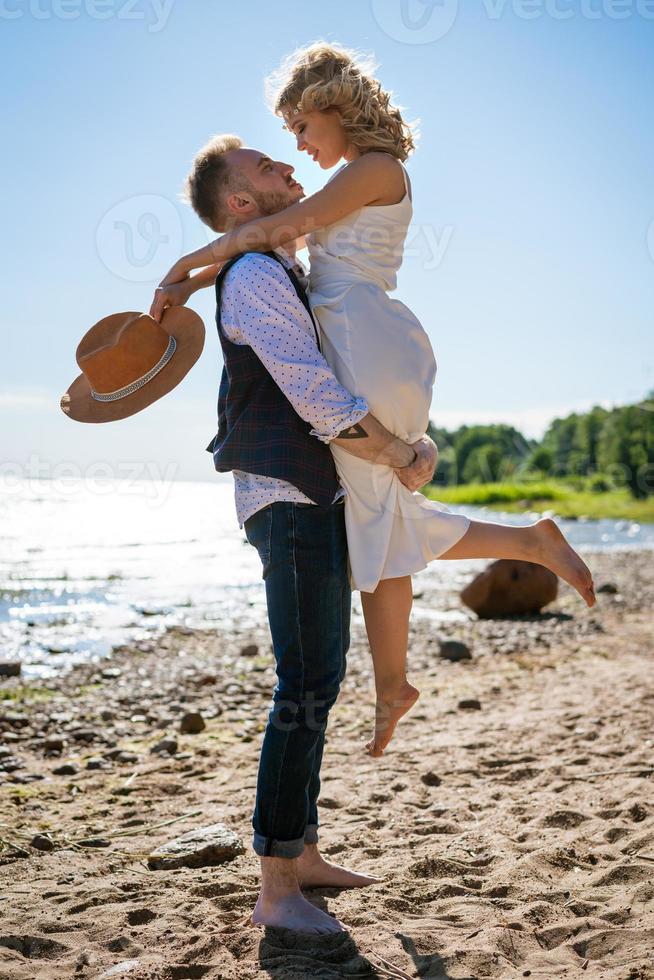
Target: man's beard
[271,202]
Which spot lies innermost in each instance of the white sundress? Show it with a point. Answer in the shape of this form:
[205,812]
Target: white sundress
[378,350]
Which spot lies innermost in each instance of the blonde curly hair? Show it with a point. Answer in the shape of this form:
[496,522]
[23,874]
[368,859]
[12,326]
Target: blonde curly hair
[329,76]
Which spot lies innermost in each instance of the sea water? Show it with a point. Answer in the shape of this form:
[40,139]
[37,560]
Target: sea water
[88,565]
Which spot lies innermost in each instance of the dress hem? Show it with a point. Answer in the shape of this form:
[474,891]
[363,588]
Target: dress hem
[420,568]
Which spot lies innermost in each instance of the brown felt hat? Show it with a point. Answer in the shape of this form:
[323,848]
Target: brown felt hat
[128,361]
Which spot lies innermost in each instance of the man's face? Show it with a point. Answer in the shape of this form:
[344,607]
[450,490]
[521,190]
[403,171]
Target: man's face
[268,185]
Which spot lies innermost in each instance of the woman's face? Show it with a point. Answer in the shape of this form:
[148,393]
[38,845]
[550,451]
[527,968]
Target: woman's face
[320,134]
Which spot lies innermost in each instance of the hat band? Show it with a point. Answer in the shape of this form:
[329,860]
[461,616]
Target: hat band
[111,396]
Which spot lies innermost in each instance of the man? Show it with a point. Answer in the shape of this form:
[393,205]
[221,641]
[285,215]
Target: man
[279,407]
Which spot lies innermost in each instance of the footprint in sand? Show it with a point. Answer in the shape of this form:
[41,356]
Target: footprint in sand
[216,889]
[140,917]
[609,813]
[556,935]
[101,897]
[439,827]
[637,812]
[622,942]
[564,819]
[624,874]
[34,947]
[616,833]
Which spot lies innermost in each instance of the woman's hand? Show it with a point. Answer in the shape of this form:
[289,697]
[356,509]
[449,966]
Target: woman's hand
[178,273]
[176,294]
[422,470]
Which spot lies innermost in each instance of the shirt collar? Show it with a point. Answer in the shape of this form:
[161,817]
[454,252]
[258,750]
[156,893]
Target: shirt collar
[290,261]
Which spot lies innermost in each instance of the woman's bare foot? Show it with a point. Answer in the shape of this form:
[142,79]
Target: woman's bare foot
[293,911]
[390,706]
[314,872]
[552,550]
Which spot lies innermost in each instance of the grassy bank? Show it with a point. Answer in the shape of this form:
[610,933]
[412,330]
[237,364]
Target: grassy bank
[554,495]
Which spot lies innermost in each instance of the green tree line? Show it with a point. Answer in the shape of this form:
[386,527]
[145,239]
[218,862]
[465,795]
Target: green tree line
[602,449]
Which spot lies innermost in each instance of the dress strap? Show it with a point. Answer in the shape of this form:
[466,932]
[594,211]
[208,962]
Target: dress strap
[336,172]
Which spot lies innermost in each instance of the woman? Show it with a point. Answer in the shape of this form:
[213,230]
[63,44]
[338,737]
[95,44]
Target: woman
[355,230]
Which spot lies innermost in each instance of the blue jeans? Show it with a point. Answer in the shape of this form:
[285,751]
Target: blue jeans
[303,551]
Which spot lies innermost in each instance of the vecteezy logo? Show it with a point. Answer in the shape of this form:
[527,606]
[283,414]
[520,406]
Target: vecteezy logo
[140,237]
[415,21]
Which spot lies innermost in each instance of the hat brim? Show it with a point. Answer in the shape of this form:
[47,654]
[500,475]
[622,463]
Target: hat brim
[188,330]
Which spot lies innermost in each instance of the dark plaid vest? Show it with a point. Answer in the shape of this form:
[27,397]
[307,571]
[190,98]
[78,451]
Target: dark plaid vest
[259,431]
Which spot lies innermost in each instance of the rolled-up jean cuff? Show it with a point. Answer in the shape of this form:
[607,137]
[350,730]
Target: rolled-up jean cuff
[311,833]
[269,847]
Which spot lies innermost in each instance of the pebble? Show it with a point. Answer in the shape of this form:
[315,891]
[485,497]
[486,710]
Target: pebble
[126,757]
[15,719]
[53,743]
[454,651]
[10,764]
[68,769]
[84,734]
[165,745]
[431,779]
[470,703]
[125,966]
[192,723]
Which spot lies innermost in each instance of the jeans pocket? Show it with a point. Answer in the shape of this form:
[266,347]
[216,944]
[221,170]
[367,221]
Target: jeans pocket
[258,531]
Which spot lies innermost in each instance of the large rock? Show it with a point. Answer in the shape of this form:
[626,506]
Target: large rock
[204,846]
[510,587]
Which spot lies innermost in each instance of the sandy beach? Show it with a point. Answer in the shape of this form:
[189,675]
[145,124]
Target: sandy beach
[515,836]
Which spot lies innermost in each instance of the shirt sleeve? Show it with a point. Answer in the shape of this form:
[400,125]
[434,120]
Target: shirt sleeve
[261,308]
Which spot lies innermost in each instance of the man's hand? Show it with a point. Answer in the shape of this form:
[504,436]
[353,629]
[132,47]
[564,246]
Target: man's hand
[164,296]
[422,470]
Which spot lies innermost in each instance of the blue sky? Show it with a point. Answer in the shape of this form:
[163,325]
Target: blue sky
[531,258]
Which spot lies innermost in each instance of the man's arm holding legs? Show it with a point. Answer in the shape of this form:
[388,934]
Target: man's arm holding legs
[369,439]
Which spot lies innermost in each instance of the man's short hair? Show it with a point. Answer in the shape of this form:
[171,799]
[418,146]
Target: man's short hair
[211,179]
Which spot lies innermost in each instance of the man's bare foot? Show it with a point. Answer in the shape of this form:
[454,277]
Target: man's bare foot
[390,707]
[293,911]
[552,550]
[314,872]
[281,903]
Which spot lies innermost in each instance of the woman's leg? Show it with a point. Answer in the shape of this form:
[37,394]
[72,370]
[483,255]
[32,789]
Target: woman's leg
[386,612]
[542,543]
[387,609]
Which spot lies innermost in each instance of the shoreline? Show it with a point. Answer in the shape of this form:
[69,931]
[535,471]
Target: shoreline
[558,498]
[501,851]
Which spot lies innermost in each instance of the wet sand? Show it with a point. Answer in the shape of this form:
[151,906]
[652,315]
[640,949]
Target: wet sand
[515,838]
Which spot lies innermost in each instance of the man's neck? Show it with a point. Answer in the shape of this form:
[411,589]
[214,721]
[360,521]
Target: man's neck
[289,248]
